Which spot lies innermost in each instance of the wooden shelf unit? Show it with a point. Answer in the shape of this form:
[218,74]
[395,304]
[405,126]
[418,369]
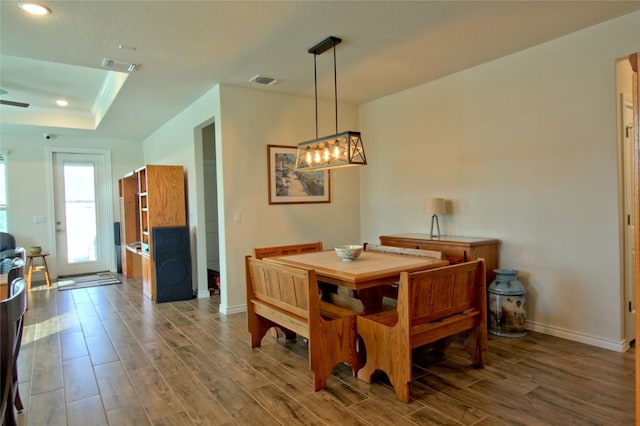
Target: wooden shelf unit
[454,249]
[129,229]
[151,196]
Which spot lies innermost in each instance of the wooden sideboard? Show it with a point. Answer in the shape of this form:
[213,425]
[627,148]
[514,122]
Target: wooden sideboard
[454,249]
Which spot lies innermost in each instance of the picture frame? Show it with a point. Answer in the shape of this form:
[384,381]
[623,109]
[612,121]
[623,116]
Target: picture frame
[289,187]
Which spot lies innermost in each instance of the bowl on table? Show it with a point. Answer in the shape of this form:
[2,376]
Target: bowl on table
[35,249]
[348,252]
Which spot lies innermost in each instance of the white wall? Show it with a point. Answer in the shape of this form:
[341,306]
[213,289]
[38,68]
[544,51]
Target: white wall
[251,120]
[246,122]
[525,147]
[178,142]
[29,188]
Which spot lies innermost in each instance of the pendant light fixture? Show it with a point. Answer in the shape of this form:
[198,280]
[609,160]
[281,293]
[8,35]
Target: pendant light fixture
[335,151]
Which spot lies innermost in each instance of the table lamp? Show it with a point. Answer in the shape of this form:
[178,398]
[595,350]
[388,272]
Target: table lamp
[435,206]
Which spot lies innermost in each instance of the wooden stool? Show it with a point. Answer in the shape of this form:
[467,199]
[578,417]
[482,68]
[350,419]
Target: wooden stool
[38,268]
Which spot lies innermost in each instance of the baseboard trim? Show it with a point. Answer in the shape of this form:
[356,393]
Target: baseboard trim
[612,345]
[229,310]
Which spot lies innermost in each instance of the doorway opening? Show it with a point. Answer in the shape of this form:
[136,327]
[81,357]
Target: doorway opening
[628,211]
[211,209]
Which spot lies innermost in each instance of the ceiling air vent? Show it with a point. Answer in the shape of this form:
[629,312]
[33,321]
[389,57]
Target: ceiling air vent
[267,81]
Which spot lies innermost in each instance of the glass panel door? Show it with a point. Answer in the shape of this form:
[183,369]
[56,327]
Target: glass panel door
[82,231]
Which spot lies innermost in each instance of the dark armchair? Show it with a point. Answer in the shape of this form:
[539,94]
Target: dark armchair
[7,245]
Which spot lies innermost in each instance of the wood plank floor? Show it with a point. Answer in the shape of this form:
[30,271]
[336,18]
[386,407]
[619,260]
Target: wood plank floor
[106,355]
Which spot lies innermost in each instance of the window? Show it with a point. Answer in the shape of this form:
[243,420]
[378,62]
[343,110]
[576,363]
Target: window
[80,212]
[3,194]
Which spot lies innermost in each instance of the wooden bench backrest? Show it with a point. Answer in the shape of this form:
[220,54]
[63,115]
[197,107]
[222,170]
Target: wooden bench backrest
[434,305]
[288,298]
[434,294]
[262,252]
[284,287]
[403,250]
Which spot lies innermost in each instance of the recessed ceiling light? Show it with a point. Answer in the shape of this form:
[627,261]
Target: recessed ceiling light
[34,8]
[62,102]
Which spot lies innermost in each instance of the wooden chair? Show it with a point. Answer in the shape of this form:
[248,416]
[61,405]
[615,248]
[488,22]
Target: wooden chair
[16,278]
[279,295]
[262,252]
[16,271]
[432,305]
[21,253]
[5,265]
[11,325]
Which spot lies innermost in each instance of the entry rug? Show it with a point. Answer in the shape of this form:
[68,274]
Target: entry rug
[85,281]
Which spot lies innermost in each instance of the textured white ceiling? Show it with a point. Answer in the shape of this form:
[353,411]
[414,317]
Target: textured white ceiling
[186,47]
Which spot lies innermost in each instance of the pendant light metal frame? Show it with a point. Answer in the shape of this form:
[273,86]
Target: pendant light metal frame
[335,151]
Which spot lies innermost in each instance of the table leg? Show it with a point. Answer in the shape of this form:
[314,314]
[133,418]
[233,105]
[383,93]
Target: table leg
[46,271]
[29,272]
[371,299]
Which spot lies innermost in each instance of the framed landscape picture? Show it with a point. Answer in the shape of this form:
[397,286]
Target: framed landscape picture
[286,186]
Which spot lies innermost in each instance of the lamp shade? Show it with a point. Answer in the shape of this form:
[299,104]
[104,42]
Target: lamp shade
[435,206]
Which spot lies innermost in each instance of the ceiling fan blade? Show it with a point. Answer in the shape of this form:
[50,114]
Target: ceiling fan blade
[13,103]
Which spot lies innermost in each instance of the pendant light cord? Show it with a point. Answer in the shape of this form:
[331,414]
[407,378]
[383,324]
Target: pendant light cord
[335,81]
[335,85]
[315,83]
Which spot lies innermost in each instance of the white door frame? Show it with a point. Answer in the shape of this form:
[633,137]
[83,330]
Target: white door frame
[626,133]
[108,213]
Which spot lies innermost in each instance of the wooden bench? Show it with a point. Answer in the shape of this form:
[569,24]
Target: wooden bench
[391,291]
[432,305]
[284,296]
[262,252]
[403,250]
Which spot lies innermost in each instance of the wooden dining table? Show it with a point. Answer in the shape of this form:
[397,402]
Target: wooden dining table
[366,275]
